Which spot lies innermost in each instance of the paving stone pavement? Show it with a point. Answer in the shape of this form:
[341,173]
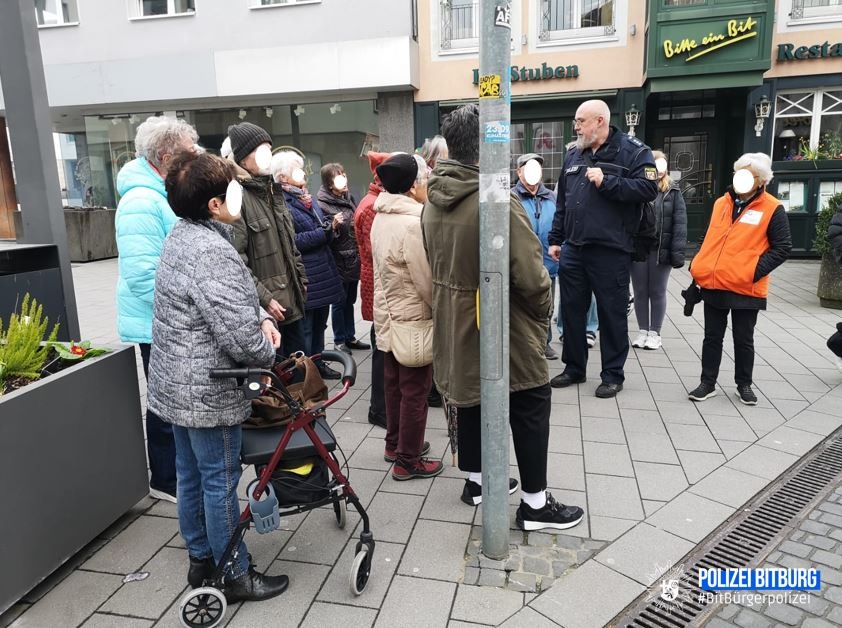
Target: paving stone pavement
[654,472]
[817,543]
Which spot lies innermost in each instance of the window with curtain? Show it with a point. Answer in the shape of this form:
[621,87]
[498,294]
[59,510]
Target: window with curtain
[458,24]
[807,9]
[808,125]
[573,19]
[56,12]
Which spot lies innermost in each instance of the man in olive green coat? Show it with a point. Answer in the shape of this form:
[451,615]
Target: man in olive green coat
[450,224]
[264,236]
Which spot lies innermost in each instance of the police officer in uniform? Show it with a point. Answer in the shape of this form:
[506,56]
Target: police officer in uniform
[606,178]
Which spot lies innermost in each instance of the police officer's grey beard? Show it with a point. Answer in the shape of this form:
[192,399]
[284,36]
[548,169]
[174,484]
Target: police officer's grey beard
[586,141]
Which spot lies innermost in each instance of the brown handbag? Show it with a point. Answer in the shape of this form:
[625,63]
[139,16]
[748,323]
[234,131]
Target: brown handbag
[271,410]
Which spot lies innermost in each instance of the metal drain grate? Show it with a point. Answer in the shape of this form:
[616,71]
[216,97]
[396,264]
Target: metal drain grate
[744,540]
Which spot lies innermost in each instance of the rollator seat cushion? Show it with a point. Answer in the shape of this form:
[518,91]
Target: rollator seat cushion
[259,444]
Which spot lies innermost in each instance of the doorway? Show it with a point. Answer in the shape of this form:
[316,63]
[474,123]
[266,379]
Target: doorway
[690,158]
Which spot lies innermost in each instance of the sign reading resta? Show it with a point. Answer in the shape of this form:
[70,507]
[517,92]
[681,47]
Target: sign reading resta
[788,52]
[735,30]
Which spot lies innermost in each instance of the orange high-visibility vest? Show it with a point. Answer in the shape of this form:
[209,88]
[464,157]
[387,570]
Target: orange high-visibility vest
[731,250]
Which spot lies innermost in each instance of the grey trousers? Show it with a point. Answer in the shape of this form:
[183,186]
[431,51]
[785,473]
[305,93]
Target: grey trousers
[649,281]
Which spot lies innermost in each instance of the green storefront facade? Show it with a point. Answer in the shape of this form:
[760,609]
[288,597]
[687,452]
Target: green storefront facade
[704,64]
[704,73]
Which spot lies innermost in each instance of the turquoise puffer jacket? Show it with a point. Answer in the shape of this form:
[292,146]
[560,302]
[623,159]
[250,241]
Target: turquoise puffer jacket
[144,219]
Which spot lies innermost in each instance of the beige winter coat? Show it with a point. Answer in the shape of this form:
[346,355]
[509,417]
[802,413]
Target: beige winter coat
[403,285]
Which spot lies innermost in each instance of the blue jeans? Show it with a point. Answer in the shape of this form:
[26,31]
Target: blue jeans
[160,446]
[593,319]
[342,314]
[207,462]
[315,323]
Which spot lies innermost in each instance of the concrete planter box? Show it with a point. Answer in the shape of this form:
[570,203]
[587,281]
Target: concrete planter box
[72,461]
[829,288]
[90,233]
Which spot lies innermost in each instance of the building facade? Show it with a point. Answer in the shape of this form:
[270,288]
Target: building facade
[337,78]
[322,75]
[698,71]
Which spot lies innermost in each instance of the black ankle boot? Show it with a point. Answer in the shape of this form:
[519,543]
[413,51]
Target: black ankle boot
[253,586]
[201,569]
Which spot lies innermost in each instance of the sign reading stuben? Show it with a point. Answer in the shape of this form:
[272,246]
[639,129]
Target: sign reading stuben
[735,30]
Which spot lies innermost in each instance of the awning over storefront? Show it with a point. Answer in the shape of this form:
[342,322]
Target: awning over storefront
[706,81]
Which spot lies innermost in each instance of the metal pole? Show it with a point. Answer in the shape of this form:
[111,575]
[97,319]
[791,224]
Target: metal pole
[30,129]
[494,192]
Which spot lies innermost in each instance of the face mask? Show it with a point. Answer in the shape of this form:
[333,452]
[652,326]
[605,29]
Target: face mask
[532,172]
[340,182]
[234,198]
[298,177]
[263,158]
[743,181]
[661,165]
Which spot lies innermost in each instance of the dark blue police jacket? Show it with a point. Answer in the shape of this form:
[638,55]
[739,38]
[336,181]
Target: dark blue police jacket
[608,215]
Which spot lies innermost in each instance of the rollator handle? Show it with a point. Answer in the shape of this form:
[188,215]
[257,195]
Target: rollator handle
[349,367]
[239,373]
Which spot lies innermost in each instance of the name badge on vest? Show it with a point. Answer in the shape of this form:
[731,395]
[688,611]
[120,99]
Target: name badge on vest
[751,217]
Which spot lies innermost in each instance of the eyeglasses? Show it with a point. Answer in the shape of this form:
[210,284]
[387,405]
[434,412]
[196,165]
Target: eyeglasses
[581,121]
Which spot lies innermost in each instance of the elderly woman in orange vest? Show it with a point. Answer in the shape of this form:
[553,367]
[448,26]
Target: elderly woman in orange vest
[748,237]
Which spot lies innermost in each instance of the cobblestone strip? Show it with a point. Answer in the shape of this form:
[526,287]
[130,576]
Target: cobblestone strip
[816,543]
[536,560]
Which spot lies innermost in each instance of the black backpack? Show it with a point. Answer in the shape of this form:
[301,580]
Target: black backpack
[645,239]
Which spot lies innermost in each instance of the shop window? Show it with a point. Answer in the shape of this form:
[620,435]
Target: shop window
[459,24]
[545,138]
[792,195]
[808,125]
[155,8]
[816,9]
[56,12]
[826,190]
[576,19]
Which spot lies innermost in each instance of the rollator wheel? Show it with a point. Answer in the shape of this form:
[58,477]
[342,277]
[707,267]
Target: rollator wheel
[341,513]
[360,571]
[202,608]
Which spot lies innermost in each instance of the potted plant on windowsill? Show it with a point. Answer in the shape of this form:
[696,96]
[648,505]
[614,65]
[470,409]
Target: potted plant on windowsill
[72,458]
[829,289]
[826,156]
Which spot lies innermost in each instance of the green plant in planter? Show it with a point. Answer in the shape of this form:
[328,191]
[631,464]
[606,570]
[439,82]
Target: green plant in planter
[21,353]
[823,219]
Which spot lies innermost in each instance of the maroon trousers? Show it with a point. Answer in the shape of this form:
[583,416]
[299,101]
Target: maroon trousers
[406,391]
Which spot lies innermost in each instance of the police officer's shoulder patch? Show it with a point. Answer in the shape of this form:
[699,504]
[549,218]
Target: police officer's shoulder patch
[650,173]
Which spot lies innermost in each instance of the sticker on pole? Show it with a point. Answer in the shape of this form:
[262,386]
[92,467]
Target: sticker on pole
[503,15]
[489,86]
[497,132]
[494,188]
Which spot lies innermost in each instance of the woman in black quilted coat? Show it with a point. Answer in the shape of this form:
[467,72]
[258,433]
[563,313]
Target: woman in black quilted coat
[650,278]
[335,199]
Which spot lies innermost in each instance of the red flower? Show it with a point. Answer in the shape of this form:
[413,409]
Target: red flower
[77,350]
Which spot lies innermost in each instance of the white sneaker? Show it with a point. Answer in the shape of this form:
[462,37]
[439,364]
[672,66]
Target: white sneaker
[653,341]
[640,341]
[838,362]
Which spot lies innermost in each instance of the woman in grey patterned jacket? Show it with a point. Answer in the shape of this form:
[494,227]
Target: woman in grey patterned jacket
[206,315]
